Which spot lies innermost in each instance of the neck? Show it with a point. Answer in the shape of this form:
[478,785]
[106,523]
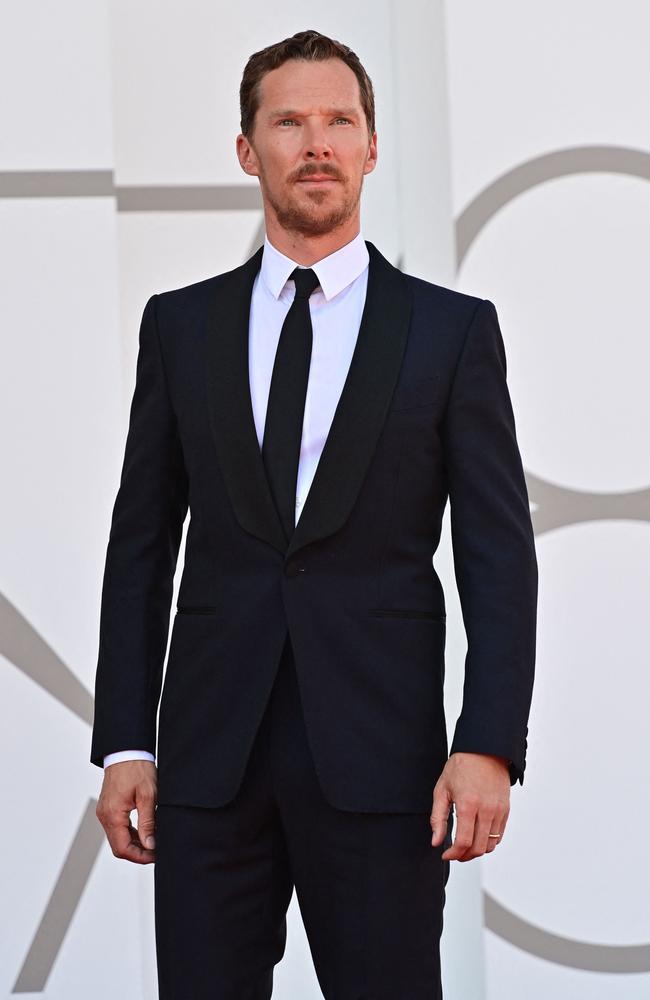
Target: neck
[307,250]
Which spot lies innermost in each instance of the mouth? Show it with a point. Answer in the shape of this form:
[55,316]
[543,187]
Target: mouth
[318,180]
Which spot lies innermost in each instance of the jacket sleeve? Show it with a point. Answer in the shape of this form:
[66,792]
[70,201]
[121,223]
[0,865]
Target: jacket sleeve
[494,549]
[144,539]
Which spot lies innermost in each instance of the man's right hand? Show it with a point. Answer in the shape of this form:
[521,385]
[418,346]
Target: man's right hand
[128,785]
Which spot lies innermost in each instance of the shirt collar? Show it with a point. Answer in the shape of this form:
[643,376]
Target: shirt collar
[334,272]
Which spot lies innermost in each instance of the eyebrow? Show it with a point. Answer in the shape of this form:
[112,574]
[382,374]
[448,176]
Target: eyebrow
[291,113]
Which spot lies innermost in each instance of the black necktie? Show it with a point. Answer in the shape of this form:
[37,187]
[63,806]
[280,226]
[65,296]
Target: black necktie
[286,405]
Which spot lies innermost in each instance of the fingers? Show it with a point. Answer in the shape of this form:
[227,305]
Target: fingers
[479,786]
[466,811]
[439,814]
[125,843]
[498,826]
[475,823]
[146,805]
[487,821]
[128,786]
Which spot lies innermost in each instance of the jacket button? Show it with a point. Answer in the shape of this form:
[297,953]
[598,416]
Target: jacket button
[292,569]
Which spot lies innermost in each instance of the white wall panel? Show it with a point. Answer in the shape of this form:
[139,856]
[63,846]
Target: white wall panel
[527,78]
[54,78]
[550,140]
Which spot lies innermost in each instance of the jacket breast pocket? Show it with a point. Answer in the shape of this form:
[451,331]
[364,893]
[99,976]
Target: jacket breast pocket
[412,395]
[196,609]
[407,613]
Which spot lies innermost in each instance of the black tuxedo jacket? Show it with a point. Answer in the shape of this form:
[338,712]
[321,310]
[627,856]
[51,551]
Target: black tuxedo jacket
[425,414]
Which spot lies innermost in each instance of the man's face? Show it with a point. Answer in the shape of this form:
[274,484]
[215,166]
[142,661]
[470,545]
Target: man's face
[310,125]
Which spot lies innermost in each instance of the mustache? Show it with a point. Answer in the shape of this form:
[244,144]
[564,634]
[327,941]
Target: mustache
[310,171]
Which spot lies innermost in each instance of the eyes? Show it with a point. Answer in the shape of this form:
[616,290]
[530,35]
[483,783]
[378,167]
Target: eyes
[339,119]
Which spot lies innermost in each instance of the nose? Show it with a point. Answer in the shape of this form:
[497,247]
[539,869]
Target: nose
[316,141]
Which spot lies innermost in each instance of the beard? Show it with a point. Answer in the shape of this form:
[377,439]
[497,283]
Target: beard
[312,215]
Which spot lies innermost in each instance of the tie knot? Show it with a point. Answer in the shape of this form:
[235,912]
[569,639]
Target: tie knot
[306,281]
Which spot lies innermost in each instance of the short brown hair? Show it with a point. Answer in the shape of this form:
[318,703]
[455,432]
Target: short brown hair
[303,45]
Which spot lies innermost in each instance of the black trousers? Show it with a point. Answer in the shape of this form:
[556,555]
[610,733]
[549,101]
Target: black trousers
[370,886]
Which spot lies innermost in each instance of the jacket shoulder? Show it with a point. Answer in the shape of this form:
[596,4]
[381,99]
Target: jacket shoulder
[196,291]
[188,303]
[427,294]
[449,302]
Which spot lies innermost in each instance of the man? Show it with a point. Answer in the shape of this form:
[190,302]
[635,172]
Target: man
[314,408]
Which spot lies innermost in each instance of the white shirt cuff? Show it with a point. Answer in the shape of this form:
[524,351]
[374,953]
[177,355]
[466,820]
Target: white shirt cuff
[120,755]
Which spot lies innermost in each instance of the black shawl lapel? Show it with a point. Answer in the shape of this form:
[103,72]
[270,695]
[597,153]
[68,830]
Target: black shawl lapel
[357,422]
[231,408]
[363,404]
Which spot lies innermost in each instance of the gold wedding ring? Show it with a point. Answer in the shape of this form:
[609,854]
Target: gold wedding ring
[497,835]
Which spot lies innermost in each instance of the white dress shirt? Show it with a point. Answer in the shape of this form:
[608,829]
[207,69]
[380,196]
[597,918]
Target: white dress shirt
[335,308]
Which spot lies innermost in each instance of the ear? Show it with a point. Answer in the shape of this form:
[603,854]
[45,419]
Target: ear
[246,156]
[371,159]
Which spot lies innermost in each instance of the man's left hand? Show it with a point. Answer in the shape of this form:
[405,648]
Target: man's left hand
[479,786]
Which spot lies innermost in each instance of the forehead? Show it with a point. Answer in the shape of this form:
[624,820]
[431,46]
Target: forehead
[303,84]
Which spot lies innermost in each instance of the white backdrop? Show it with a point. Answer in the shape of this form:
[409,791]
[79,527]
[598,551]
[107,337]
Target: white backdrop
[514,160]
